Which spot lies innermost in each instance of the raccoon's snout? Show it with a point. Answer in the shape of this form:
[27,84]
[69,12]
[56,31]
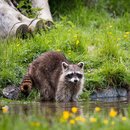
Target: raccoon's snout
[75,80]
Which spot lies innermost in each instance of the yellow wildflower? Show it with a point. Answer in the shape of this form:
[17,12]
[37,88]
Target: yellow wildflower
[72,121]
[58,50]
[110,33]
[123,118]
[125,36]
[74,109]
[118,39]
[75,36]
[36,124]
[112,123]
[77,42]
[97,109]
[93,119]
[18,45]
[5,109]
[105,121]
[81,119]
[112,113]
[127,33]
[66,115]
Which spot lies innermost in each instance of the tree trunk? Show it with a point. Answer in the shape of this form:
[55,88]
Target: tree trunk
[13,23]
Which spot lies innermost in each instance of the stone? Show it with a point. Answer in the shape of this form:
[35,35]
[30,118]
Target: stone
[11,92]
[109,93]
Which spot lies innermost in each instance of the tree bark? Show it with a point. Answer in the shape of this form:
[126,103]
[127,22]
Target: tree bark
[13,23]
[44,13]
[9,23]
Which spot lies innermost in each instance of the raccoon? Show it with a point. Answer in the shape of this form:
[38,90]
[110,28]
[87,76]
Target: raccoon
[54,77]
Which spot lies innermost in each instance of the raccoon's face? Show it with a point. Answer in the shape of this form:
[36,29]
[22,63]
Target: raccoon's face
[73,73]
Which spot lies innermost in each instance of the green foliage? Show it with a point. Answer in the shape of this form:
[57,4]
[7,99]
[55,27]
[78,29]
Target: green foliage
[116,7]
[25,7]
[82,34]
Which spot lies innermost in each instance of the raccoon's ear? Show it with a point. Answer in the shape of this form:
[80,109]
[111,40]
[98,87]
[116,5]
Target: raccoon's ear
[81,64]
[65,65]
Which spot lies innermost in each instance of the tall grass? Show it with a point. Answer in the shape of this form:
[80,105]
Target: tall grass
[83,34]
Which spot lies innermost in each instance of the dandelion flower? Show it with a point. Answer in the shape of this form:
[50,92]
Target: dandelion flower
[112,113]
[93,120]
[18,45]
[58,50]
[127,33]
[125,36]
[112,123]
[81,119]
[75,36]
[66,115]
[77,42]
[118,39]
[105,121]
[97,109]
[36,124]
[72,121]
[110,33]
[5,109]
[123,118]
[74,109]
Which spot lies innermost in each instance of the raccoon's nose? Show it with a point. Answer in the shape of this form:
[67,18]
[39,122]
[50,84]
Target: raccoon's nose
[75,81]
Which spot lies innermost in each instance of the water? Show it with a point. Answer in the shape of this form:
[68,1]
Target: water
[53,108]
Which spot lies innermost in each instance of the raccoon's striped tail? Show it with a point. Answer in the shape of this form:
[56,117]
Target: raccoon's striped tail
[26,84]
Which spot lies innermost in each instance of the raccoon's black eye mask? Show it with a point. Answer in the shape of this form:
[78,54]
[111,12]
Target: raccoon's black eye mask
[79,76]
[69,76]
[74,74]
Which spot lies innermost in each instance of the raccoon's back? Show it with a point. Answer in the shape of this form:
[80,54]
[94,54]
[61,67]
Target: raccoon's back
[47,67]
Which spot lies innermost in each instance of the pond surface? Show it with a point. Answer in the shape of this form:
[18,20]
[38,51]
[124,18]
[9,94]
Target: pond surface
[53,108]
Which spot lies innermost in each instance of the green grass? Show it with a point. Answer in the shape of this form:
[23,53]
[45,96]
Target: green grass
[83,34]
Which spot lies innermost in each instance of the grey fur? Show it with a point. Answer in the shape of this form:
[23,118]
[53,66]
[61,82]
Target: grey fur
[66,90]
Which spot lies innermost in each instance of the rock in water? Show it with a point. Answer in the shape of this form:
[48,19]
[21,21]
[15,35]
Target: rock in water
[11,92]
[109,93]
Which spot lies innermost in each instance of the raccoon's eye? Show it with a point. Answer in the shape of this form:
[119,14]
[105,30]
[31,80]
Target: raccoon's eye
[79,76]
[69,76]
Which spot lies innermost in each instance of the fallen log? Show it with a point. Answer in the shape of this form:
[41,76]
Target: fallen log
[13,23]
[9,24]
[44,12]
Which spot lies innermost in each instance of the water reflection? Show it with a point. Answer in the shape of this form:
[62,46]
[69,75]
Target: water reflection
[49,109]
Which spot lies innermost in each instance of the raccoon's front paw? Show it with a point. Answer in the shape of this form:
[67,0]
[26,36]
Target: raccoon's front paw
[58,99]
[62,99]
[74,99]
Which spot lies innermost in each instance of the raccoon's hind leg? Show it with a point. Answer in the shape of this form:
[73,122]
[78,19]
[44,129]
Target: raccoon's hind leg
[47,92]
